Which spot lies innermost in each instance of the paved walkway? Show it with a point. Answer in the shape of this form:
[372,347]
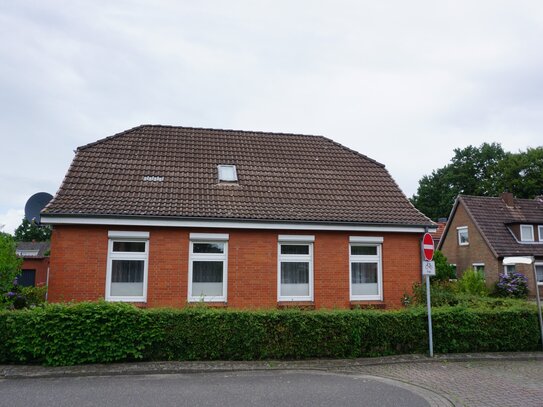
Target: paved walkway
[505,379]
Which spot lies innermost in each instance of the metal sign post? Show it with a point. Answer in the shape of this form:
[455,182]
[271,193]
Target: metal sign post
[428,269]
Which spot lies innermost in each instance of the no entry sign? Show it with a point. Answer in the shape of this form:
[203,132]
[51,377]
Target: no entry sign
[428,247]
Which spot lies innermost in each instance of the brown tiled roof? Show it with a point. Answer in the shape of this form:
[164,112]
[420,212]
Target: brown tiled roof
[283,177]
[40,247]
[492,216]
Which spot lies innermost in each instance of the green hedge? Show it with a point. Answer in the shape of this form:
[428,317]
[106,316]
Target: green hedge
[102,333]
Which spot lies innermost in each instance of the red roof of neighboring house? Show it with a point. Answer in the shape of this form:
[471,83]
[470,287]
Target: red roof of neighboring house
[439,231]
[165,171]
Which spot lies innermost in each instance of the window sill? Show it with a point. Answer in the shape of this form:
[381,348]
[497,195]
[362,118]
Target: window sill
[369,304]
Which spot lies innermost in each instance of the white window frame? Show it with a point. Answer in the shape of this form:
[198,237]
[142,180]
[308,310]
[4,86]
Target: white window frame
[540,264]
[474,265]
[540,233]
[371,242]
[221,168]
[522,237]
[127,236]
[509,265]
[295,240]
[460,229]
[209,238]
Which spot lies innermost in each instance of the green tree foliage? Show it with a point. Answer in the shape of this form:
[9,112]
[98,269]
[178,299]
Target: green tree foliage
[484,171]
[10,264]
[444,271]
[27,232]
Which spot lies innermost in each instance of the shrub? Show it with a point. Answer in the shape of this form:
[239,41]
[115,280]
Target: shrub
[10,264]
[444,271]
[442,293]
[472,282]
[514,285]
[102,332]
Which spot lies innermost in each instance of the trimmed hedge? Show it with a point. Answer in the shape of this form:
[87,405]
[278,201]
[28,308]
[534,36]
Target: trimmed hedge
[103,332]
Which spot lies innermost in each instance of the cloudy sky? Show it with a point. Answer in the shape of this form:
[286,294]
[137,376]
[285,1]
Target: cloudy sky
[402,82]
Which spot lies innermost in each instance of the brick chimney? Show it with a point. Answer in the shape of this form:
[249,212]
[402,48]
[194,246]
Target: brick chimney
[507,197]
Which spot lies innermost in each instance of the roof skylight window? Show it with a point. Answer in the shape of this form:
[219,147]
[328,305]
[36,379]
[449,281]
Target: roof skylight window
[227,173]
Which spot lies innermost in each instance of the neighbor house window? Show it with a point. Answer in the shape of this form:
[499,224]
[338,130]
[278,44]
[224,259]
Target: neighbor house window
[480,268]
[227,173]
[208,267]
[509,269]
[127,266]
[295,268]
[540,232]
[454,270]
[365,268]
[463,237]
[539,273]
[526,233]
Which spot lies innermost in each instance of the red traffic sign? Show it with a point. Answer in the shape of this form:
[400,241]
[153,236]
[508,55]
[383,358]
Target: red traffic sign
[428,247]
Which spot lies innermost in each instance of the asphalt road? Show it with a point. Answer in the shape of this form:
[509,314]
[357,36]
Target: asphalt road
[271,388]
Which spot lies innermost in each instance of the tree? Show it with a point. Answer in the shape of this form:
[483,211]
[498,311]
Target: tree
[484,171]
[27,232]
[10,264]
[444,271]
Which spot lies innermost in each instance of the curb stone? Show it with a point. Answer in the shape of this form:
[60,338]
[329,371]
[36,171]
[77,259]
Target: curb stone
[145,368]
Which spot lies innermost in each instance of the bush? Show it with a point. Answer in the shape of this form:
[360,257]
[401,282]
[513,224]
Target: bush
[444,271]
[514,285]
[102,333]
[442,293]
[472,282]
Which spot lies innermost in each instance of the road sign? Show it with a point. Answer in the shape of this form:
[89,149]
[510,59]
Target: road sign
[428,247]
[428,268]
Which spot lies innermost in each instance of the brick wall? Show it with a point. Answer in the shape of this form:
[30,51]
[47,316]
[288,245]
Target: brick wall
[476,252]
[79,259]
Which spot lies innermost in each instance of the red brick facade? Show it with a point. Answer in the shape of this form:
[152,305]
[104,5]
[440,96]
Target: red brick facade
[79,263]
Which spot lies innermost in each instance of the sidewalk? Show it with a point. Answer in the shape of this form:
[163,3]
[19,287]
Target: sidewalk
[134,368]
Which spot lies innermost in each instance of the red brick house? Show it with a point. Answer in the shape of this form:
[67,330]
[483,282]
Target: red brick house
[481,231]
[165,216]
[35,265]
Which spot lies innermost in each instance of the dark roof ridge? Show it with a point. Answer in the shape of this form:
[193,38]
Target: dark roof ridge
[271,133]
[352,151]
[102,140]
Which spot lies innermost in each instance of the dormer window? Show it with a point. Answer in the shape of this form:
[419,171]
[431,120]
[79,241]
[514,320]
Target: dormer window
[526,233]
[227,173]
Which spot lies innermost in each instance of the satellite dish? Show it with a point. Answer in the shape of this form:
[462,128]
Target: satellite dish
[34,205]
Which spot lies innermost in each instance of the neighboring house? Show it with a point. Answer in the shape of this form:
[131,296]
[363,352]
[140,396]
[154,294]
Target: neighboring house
[481,231]
[35,266]
[441,223]
[162,216]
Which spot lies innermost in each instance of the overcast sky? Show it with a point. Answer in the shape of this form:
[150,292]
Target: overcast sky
[404,82]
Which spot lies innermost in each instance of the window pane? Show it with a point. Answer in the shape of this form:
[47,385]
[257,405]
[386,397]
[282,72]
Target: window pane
[127,277]
[207,278]
[364,279]
[463,236]
[294,279]
[294,249]
[227,173]
[510,269]
[208,248]
[129,247]
[364,250]
[527,233]
[539,273]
